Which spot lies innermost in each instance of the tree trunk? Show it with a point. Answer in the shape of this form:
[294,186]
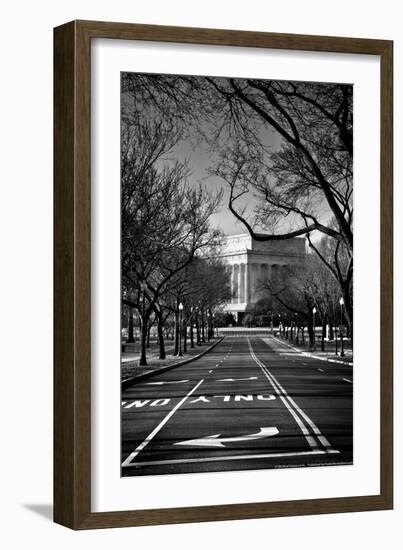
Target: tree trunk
[160,329]
[197,330]
[143,356]
[130,338]
[192,344]
[149,325]
[203,339]
[348,311]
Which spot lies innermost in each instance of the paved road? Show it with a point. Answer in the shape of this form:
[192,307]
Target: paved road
[250,403]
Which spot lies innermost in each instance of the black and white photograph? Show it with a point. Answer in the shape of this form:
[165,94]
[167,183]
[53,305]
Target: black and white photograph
[236,274]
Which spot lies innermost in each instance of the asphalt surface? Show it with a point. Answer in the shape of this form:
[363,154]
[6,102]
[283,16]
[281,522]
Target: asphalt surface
[250,403]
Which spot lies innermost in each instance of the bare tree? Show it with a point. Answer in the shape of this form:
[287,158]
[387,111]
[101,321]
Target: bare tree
[165,221]
[303,185]
[306,185]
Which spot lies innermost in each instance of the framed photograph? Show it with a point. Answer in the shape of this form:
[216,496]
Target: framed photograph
[223,275]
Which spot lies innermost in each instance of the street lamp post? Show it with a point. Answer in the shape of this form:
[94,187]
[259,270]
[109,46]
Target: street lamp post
[180,307]
[203,333]
[336,339]
[213,325]
[341,302]
[143,358]
[191,328]
[313,322]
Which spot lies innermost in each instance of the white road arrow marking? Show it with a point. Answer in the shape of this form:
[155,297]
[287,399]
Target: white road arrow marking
[236,379]
[216,441]
[168,382]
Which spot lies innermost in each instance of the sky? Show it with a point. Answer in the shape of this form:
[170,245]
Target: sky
[200,160]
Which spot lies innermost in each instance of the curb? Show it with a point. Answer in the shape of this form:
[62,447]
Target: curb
[134,379]
[306,354]
[137,357]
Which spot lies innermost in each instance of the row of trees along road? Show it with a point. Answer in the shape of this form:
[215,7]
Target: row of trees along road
[167,242]
[304,185]
[292,299]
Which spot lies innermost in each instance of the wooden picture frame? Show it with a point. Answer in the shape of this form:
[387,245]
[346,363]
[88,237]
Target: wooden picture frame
[72,269]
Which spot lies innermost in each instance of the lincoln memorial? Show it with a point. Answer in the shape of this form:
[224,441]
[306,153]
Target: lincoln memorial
[252,262]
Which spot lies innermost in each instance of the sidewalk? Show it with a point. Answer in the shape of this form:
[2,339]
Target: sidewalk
[152,353]
[328,355]
[130,363]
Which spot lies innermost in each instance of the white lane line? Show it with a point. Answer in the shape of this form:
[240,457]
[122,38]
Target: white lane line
[237,379]
[147,440]
[234,457]
[167,382]
[311,441]
[347,380]
[325,442]
[124,403]
[210,371]
[308,420]
[320,370]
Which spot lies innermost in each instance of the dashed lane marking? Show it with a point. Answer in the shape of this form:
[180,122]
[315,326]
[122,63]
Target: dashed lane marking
[320,370]
[166,382]
[347,380]
[237,379]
